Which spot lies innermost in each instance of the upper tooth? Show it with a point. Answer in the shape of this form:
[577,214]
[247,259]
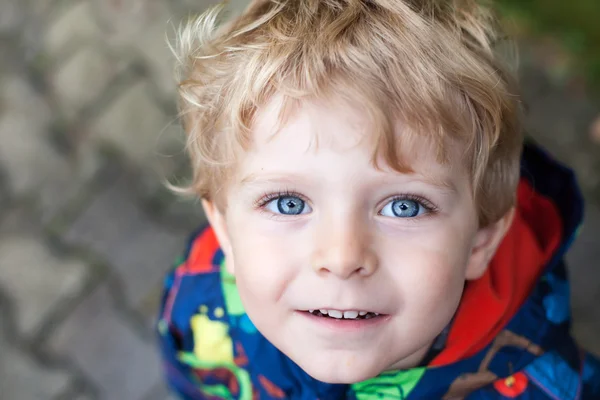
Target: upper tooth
[334,313]
[324,312]
[350,314]
[362,313]
[311,311]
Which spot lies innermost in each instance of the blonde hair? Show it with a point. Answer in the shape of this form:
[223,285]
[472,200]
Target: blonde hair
[428,63]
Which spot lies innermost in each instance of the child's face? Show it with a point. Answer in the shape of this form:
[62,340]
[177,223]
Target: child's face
[311,224]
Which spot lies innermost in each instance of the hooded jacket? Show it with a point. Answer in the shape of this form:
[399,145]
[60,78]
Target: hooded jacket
[509,337]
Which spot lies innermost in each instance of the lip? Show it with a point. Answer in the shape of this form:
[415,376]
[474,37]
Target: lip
[345,325]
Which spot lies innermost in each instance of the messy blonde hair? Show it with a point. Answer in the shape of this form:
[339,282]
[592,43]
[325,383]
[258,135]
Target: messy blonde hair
[428,63]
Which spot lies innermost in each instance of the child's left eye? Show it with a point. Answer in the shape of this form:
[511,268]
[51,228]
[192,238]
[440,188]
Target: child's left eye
[288,205]
[403,208]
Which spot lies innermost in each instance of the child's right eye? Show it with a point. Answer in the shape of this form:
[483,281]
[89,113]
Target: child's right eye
[288,205]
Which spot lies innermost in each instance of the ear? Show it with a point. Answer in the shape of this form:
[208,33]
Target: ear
[486,243]
[217,221]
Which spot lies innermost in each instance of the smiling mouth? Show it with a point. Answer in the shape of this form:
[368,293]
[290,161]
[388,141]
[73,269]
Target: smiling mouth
[350,315]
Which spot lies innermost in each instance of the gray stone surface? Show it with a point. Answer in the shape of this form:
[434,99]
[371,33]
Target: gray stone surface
[81,79]
[138,250]
[82,397]
[22,378]
[30,164]
[134,124]
[88,136]
[101,342]
[141,27]
[74,25]
[11,16]
[37,280]
[159,392]
[26,153]
[585,291]
[560,120]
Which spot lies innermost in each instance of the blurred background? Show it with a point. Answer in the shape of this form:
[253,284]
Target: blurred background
[88,133]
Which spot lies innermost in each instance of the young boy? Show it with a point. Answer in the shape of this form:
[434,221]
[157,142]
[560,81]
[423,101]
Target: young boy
[378,229]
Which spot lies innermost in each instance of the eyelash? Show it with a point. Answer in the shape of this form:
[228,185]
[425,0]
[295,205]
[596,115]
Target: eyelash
[268,197]
[428,205]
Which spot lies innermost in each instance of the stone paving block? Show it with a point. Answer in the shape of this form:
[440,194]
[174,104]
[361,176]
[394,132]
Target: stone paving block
[160,56]
[194,7]
[141,26]
[82,397]
[173,209]
[22,378]
[4,192]
[140,131]
[559,120]
[108,352]
[184,212]
[29,160]
[585,279]
[146,26]
[137,127]
[37,280]
[74,26]
[29,164]
[124,19]
[39,8]
[582,260]
[11,15]
[237,6]
[19,98]
[82,78]
[159,392]
[155,50]
[586,325]
[149,304]
[139,250]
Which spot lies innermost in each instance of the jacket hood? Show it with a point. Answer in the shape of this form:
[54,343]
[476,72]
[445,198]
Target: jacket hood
[548,212]
[511,326]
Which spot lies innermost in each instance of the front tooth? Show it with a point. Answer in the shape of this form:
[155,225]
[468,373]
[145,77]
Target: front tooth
[324,312]
[311,311]
[350,314]
[335,313]
[362,313]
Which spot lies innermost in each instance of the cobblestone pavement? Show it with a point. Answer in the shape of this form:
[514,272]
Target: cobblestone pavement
[87,230]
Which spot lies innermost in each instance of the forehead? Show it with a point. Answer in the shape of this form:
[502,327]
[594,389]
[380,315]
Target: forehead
[342,130]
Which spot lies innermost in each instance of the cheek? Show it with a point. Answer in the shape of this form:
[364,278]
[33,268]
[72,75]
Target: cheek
[264,265]
[435,282]
[430,271]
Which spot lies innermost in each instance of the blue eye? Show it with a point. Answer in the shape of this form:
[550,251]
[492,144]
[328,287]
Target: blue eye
[288,205]
[403,208]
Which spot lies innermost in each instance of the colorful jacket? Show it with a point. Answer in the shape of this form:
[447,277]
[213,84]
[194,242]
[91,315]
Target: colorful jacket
[509,338]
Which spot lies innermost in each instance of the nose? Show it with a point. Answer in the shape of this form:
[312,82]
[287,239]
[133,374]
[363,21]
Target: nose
[344,249]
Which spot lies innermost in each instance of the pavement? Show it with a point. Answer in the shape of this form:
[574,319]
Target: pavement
[88,135]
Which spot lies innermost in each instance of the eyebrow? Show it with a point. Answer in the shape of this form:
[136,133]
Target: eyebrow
[254,178]
[443,184]
[258,179]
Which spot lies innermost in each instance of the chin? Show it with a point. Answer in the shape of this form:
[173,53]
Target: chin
[339,373]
